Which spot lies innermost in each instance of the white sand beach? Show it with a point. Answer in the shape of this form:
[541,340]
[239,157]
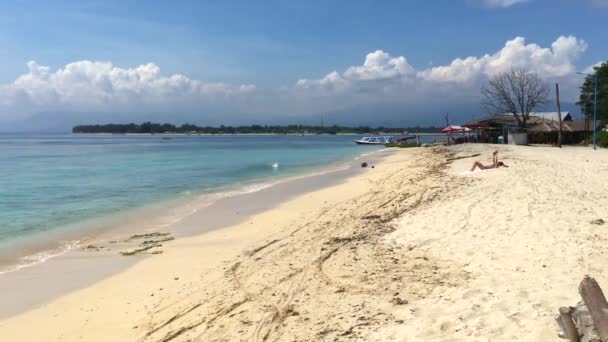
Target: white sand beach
[415,249]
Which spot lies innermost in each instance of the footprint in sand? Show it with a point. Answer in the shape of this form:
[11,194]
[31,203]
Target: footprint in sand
[445,326]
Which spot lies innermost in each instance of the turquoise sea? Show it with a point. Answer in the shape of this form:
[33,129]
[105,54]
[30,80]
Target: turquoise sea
[50,182]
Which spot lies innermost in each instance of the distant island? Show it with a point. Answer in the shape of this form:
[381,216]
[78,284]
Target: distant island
[166,128]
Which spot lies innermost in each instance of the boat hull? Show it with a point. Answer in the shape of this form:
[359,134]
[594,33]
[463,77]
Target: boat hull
[358,142]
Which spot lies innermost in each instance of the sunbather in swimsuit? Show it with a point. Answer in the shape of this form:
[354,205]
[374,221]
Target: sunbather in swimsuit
[495,163]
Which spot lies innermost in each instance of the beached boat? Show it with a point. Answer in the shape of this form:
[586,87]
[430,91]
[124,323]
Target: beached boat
[375,140]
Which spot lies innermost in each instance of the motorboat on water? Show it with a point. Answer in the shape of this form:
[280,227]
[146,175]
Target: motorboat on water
[375,140]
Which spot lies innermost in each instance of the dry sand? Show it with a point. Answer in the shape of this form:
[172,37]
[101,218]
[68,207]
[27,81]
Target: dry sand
[412,250]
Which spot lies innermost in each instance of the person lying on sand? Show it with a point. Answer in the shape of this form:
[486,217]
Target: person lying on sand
[495,163]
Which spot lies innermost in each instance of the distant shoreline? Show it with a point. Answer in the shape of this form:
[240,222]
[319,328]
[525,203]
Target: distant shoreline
[219,134]
[186,129]
[252,134]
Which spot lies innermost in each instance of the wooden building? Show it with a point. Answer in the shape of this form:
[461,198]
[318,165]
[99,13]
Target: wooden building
[542,128]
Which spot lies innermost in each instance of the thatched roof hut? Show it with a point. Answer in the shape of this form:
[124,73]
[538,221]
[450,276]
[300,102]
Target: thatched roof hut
[495,121]
[546,126]
[547,120]
[541,127]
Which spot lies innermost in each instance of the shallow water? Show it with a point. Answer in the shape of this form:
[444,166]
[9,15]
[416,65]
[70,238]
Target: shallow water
[53,182]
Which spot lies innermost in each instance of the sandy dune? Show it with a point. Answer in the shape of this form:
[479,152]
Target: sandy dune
[412,250]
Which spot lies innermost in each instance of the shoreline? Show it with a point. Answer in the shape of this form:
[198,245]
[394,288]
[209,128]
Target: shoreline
[168,134]
[26,251]
[415,249]
[177,217]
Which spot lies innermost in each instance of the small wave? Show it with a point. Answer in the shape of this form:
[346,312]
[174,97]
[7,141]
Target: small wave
[367,154]
[207,199]
[40,257]
[246,189]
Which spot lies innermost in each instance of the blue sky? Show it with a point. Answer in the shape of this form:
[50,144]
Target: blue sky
[270,46]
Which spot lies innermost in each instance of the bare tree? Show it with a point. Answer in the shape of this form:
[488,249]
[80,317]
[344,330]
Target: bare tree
[516,92]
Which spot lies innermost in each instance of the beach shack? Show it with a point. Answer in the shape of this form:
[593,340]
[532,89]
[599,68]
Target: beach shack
[573,132]
[492,129]
[542,128]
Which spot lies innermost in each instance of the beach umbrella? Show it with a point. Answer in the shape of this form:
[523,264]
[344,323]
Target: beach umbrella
[453,129]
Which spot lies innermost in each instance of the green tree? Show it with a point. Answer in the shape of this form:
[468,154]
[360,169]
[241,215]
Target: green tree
[585,100]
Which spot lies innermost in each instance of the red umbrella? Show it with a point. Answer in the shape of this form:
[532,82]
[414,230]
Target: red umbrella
[453,129]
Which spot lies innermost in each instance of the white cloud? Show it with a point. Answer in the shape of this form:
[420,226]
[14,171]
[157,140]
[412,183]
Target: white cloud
[97,86]
[384,79]
[381,79]
[600,3]
[556,61]
[333,81]
[502,3]
[378,66]
[460,70]
[509,3]
[591,69]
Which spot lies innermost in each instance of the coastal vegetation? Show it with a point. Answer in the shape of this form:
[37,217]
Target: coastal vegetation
[167,128]
[586,98]
[602,138]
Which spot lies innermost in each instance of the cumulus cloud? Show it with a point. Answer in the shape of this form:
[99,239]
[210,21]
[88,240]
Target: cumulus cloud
[381,79]
[390,82]
[97,86]
[600,3]
[556,61]
[378,66]
[591,69]
[388,72]
[502,3]
[333,81]
[510,3]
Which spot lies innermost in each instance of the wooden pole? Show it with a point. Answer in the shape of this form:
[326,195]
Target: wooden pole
[559,115]
[594,298]
[567,323]
[447,124]
[586,129]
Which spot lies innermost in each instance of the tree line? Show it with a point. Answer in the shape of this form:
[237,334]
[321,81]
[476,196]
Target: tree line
[164,128]
[586,98]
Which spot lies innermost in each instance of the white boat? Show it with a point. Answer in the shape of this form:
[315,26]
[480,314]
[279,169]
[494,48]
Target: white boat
[375,140]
